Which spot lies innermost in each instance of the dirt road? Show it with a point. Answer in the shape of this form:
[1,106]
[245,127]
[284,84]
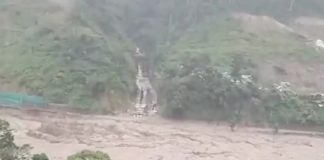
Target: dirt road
[128,138]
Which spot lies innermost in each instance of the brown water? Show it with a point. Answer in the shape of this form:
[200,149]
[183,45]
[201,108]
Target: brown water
[153,138]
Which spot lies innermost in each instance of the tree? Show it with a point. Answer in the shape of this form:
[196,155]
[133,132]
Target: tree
[8,149]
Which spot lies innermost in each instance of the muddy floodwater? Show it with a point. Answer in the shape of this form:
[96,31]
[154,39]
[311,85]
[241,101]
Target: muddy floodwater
[152,138]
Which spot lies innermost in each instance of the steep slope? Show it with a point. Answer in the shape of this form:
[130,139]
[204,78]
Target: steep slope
[52,50]
[271,46]
[78,52]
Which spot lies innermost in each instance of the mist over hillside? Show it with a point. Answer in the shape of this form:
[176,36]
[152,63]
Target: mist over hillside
[79,52]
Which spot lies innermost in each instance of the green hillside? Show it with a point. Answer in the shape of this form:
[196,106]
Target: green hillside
[65,57]
[221,39]
[79,52]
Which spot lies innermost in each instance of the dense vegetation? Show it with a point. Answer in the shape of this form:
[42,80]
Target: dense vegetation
[80,52]
[66,60]
[199,90]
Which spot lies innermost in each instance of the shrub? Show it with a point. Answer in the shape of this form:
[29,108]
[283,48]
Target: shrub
[89,155]
[41,156]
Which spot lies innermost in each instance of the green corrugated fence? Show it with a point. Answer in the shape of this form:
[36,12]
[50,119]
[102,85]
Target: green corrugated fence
[21,100]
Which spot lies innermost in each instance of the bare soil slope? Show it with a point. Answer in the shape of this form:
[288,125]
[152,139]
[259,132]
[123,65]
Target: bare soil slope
[125,138]
[302,68]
